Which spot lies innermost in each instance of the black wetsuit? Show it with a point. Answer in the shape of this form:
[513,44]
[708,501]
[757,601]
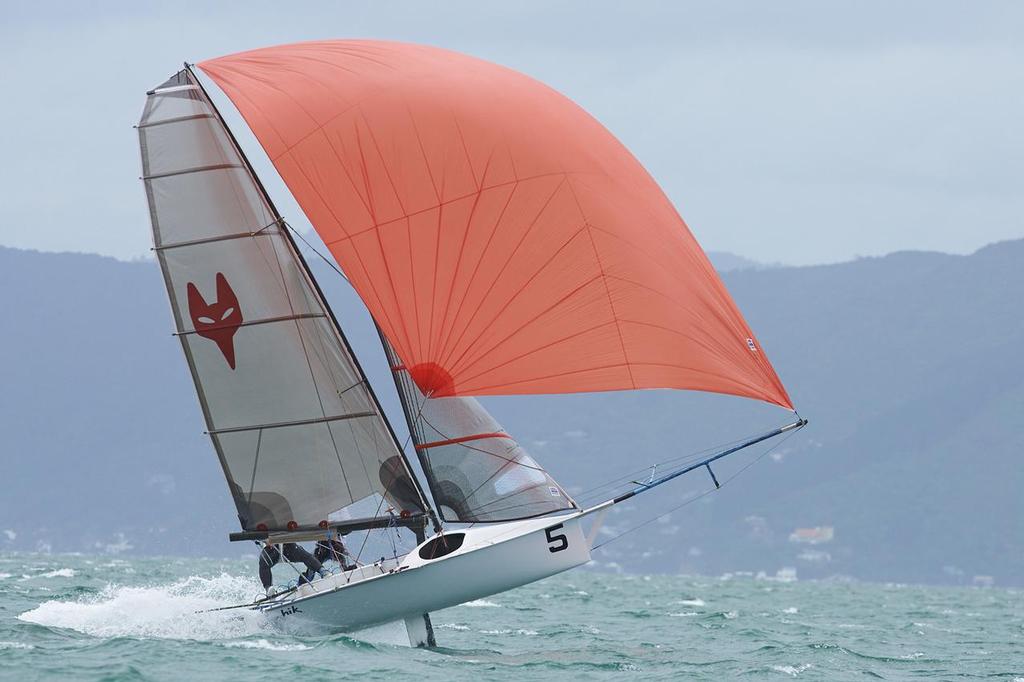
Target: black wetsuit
[292,552]
[330,550]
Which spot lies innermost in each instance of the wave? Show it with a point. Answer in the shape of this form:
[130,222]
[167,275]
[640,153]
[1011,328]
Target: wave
[452,626]
[477,603]
[159,611]
[267,645]
[791,670]
[59,573]
[691,602]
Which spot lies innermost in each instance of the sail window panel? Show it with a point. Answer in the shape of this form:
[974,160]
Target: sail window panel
[257,271]
[490,479]
[476,476]
[449,418]
[476,471]
[212,203]
[186,143]
[294,473]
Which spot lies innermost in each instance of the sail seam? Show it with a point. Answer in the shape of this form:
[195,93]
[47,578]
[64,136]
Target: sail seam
[442,334]
[447,345]
[500,273]
[607,289]
[511,183]
[297,422]
[355,188]
[467,361]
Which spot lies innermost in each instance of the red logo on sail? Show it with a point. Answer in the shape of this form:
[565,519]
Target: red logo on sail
[217,321]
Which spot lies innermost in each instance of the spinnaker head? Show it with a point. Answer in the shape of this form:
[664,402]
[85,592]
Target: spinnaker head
[504,240]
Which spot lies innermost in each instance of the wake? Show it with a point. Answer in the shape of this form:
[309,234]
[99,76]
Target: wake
[159,611]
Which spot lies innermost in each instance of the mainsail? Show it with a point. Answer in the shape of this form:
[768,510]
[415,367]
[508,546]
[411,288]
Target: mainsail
[300,436]
[476,471]
[504,241]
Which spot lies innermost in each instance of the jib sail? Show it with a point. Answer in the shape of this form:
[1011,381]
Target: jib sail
[476,471]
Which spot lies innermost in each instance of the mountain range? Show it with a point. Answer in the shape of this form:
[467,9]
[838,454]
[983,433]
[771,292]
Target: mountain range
[908,367]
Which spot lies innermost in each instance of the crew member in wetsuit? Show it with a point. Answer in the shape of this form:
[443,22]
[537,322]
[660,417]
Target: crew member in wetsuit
[331,549]
[292,552]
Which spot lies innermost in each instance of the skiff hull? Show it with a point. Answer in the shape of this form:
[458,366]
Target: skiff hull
[490,560]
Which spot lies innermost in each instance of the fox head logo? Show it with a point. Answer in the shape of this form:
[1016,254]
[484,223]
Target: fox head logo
[217,321]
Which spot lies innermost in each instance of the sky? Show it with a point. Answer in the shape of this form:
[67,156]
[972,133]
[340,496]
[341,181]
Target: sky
[785,132]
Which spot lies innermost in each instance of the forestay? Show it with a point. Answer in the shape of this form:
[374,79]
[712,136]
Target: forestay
[476,471]
[298,432]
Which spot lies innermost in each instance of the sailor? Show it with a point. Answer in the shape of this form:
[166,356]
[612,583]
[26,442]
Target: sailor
[292,552]
[332,549]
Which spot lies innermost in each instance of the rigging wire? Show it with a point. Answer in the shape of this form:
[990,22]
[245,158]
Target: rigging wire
[682,461]
[698,497]
[359,554]
[314,250]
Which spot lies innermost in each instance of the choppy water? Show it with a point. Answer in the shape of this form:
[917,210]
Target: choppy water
[78,617]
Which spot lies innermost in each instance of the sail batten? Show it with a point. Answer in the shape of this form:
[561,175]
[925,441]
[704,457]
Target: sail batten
[217,238]
[187,171]
[503,240]
[300,436]
[300,422]
[251,323]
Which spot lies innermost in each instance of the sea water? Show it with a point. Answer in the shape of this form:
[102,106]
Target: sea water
[102,618]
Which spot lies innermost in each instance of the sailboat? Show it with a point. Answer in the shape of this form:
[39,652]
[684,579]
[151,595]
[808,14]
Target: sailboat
[504,243]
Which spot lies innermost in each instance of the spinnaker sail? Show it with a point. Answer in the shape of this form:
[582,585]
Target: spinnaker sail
[300,436]
[504,241]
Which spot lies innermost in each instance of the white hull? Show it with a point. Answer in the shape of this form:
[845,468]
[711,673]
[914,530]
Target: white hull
[491,559]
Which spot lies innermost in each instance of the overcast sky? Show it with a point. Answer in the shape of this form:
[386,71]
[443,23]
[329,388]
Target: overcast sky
[793,132]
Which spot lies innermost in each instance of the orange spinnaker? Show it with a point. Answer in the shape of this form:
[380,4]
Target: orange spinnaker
[502,238]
